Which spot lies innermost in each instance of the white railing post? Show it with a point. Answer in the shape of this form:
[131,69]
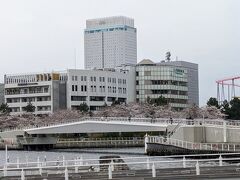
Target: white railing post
[22,175]
[146,140]
[224,131]
[109,172]
[112,165]
[40,170]
[38,161]
[76,167]
[220,161]
[228,147]
[148,165]
[153,171]
[184,162]
[6,154]
[63,159]
[197,169]
[17,162]
[66,173]
[5,170]
[234,147]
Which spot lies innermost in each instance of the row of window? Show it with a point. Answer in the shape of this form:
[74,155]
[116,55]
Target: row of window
[96,98]
[101,79]
[101,89]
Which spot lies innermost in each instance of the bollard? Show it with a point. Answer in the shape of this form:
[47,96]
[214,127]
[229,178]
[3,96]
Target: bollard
[66,174]
[197,169]
[148,165]
[5,170]
[17,162]
[220,161]
[184,162]
[109,172]
[22,175]
[153,171]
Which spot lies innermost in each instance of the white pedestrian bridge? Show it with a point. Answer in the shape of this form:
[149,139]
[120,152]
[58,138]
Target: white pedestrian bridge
[216,130]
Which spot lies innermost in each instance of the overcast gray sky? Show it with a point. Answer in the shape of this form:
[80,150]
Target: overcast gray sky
[41,35]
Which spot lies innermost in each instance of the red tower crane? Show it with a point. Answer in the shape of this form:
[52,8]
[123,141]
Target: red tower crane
[227,88]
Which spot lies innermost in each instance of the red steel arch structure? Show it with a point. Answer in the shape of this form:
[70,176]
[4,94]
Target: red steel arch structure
[227,88]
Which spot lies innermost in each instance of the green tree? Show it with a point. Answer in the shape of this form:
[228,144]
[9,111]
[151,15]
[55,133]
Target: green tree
[225,108]
[213,102]
[83,107]
[30,107]
[234,111]
[149,100]
[161,101]
[4,108]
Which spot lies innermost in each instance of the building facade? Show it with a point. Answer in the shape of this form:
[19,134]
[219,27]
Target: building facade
[110,42]
[45,91]
[1,93]
[98,88]
[177,81]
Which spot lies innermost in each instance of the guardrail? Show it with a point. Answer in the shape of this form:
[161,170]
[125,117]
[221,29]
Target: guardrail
[231,147]
[133,163]
[100,142]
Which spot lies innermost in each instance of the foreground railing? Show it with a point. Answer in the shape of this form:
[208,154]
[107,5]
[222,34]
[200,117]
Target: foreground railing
[109,166]
[195,146]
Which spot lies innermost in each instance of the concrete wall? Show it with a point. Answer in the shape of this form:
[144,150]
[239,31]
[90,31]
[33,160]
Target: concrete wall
[207,134]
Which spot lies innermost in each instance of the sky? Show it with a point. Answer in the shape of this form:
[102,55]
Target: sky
[42,35]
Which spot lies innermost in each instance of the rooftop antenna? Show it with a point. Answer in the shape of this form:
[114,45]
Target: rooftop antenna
[168,56]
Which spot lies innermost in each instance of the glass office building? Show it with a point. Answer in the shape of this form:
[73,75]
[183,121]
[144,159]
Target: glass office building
[167,79]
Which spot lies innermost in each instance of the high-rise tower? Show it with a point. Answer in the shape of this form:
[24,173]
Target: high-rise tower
[110,42]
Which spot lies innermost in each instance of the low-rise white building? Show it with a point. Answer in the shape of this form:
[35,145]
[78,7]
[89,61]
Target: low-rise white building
[50,92]
[45,91]
[100,87]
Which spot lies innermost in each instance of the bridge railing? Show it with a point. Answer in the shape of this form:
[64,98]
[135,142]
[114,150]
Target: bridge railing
[213,122]
[225,147]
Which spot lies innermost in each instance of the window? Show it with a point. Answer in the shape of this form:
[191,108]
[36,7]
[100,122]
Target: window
[147,73]
[72,78]
[76,88]
[72,87]
[76,78]
[78,98]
